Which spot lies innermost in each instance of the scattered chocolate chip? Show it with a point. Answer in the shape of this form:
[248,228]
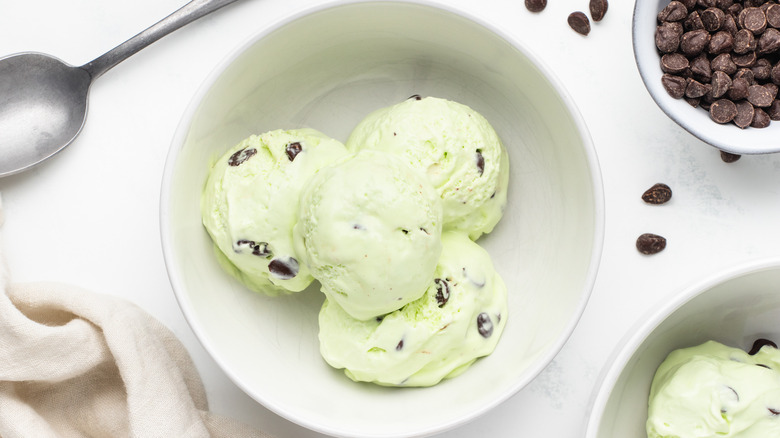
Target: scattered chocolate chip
[239,157]
[728,157]
[484,325]
[659,193]
[480,160]
[723,111]
[774,412]
[598,8]
[649,243]
[745,113]
[442,291]
[400,345]
[759,343]
[579,22]
[763,366]
[415,97]
[293,149]
[284,269]
[535,5]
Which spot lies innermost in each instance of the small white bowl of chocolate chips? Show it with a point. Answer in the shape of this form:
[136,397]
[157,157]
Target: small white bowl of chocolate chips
[713,66]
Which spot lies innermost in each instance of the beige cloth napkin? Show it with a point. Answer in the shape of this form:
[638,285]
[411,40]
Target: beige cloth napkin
[75,363]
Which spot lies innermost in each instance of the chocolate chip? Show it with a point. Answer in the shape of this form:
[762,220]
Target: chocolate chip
[484,325]
[712,18]
[773,15]
[580,23]
[774,412]
[721,82]
[760,119]
[480,161]
[674,85]
[668,35]
[760,96]
[694,42]
[693,21]
[762,70]
[769,42]
[284,269]
[754,20]
[745,113]
[746,60]
[442,291]
[774,110]
[701,68]
[674,63]
[763,366]
[693,101]
[293,149]
[729,25]
[535,5]
[659,193]
[696,89]
[415,97]
[260,249]
[239,157]
[649,243]
[707,3]
[400,345]
[721,42]
[598,9]
[728,157]
[674,11]
[723,111]
[744,42]
[759,343]
[724,63]
[746,74]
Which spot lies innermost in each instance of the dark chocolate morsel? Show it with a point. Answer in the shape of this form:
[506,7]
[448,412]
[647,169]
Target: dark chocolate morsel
[745,113]
[649,243]
[774,412]
[480,161]
[442,291]
[240,156]
[598,8]
[728,157]
[535,5]
[400,345]
[283,269]
[484,325]
[415,97]
[579,22]
[293,149]
[760,343]
[723,111]
[259,249]
[659,193]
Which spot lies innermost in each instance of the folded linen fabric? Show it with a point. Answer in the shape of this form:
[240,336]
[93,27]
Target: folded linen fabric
[74,363]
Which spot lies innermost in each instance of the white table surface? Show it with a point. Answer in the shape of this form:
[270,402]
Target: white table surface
[90,215]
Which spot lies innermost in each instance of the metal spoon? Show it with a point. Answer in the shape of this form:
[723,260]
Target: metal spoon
[43,101]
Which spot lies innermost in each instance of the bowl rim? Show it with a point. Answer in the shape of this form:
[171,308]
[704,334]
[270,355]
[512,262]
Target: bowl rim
[180,135]
[711,133]
[625,348]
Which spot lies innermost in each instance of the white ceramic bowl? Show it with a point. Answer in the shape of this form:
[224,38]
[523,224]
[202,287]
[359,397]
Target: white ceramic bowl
[727,137]
[326,68]
[734,308]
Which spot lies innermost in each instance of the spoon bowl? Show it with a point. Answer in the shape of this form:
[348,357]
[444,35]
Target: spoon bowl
[43,109]
[43,101]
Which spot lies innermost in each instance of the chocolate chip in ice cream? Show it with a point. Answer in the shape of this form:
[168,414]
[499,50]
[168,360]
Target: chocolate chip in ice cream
[442,291]
[484,325]
[283,269]
[480,160]
[760,343]
[241,156]
[293,149]
[259,249]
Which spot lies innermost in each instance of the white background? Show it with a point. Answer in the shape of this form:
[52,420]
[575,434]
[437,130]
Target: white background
[90,215]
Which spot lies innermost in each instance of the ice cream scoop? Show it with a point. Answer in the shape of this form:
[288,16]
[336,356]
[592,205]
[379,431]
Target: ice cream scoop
[459,318]
[454,146]
[712,390]
[250,205]
[370,232]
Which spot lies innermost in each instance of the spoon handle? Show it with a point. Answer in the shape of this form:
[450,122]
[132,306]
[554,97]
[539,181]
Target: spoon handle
[183,16]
